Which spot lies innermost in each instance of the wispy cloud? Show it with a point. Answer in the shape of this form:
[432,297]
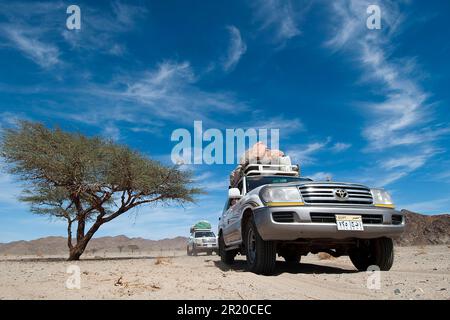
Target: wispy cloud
[236,49]
[340,147]
[402,118]
[304,154]
[27,41]
[29,28]
[286,126]
[99,30]
[278,17]
[320,176]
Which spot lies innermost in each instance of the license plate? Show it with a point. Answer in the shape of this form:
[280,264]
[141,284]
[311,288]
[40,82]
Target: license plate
[349,222]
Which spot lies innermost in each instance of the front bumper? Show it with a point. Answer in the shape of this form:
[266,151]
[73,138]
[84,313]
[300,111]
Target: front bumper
[304,228]
[205,247]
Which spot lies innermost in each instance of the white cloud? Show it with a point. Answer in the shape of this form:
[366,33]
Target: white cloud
[168,92]
[340,146]
[277,16]
[303,154]
[285,125]
[236,49]
[30,28]
[320,176]
[27,41]
[402,119]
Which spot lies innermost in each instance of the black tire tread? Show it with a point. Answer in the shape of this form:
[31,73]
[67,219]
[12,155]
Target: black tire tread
[265,253]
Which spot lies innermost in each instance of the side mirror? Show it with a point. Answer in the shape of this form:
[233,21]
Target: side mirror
[234,193]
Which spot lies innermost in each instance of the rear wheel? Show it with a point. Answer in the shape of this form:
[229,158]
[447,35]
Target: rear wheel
[378,252]
[261,255]
[226,257]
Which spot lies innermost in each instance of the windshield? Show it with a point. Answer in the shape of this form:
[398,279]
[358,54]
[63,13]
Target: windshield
[203,234]
[256,181]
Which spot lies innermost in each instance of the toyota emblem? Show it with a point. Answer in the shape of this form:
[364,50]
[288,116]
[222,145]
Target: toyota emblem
[341,194]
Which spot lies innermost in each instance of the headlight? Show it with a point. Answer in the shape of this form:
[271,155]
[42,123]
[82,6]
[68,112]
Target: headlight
[281,196]
[198,241]
[381,198]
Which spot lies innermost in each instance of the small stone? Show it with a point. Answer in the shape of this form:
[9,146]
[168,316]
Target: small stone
[443,289]
[397,291]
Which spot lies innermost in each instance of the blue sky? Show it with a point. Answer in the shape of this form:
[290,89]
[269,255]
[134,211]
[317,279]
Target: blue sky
[360,105]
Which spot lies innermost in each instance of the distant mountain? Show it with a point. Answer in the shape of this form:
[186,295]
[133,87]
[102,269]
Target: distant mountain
[420,230]
[58,245]
[425,230]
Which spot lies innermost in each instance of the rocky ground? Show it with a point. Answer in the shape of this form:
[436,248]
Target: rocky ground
[418,273]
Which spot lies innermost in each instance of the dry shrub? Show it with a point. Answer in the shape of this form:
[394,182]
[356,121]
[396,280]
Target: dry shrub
[325,256]
[162,261]
[421,250]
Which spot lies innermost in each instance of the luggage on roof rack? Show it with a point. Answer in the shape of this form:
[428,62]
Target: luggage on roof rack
[282,166]
[201,225]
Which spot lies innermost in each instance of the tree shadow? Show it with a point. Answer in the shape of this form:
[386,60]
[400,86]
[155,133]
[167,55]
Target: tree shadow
[283,267]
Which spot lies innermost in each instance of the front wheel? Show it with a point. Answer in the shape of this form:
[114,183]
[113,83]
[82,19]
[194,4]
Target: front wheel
[378,252]
[261,255]
[188,251]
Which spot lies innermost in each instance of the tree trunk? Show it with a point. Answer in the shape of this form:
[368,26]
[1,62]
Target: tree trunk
[76,252]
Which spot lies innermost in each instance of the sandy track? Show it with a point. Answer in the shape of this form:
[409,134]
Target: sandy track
[418,273]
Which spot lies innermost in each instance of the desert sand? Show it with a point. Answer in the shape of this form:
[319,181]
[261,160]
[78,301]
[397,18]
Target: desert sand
[418,273]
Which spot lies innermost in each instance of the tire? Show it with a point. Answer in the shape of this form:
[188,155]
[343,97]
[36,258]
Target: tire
[261,255]
[292,258]
[209,253]
[189,253]
[194,251]
[380,252]
[226,257]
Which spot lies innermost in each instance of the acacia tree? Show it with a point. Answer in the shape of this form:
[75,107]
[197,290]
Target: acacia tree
[87,181]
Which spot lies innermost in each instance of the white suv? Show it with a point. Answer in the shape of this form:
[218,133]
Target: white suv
[202,241]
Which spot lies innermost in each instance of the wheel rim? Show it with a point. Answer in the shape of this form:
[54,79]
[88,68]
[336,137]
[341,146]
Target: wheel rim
[251,246]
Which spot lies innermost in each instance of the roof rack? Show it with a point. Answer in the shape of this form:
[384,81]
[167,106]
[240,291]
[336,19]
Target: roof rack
[253,169]
[263,169]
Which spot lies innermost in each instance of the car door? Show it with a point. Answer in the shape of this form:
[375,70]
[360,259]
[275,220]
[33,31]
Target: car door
[234,222]
[233,219]
[225,221]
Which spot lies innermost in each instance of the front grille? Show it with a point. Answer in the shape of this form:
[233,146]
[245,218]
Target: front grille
[325,217]
[283,216]
[397,219]
[325,193]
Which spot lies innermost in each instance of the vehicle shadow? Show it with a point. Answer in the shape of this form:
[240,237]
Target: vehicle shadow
[283,267]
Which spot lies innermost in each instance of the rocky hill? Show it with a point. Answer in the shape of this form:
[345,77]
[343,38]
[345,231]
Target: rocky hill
[420,230]
[58,245]
[425,230]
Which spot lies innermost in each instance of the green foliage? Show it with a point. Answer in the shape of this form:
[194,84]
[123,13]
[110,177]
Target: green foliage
[73,176]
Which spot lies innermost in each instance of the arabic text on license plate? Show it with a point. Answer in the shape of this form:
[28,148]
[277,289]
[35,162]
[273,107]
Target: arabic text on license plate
[349,222]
